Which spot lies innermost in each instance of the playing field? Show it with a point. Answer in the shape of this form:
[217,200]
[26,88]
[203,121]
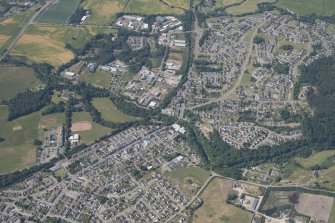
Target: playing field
[103,11]
[110,112]
[215,209]
[249,6]
[47,44]
[151,7]
[96,131]
[59,12]
[15,80]
[306,7]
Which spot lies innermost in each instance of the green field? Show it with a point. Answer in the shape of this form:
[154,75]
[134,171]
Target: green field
[100,78]
[96,132]
[110,112]
[306,7]
[103,11]
[315,159]
[17,151]
[59,12]
[249,6]
[15,80]
[151,7]
[215,209]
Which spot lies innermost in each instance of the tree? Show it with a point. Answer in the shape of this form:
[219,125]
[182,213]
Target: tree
[37,142]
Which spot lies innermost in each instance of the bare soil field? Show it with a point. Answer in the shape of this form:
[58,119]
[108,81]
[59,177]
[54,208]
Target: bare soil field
[81,126]
[316,206]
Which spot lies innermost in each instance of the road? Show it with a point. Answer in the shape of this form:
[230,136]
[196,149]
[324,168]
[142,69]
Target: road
[24,28]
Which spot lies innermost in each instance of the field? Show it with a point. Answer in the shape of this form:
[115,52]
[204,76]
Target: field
[100,78]
[316,206]
[110,112]
[59,12]
[189,180]
[47,44]
[306,7]
[103,11]
[15,80]
[96,132]
[214,208]
[17,151]
[248,6]
[151,7]
[315,159]
[184,4]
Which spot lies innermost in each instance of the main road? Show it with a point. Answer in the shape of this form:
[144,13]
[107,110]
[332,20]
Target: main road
[24,28]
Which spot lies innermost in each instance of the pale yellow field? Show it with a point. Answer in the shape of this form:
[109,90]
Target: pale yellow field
[42,49]
[248,6]
[103,11]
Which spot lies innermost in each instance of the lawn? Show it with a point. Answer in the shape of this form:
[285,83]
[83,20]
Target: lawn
[110,112]
[100,78]
[47,44]
[249,6]
[61,172]
[59,12]
[103,11]
[96,132]
[306,7]
[215,209]
[151,7]
[15,80]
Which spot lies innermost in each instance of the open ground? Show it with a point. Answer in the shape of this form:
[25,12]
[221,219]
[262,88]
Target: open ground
[214,208]
[249,6]
[306,7]
[151,7]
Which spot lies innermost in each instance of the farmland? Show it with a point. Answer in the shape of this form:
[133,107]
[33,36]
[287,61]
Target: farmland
[11,26]
[110,112]
[47,44]
[215,209]
[59,12]
[306,7]
[248,6]
[96,131]
[15,80]
[184,4]
[103,11]
[151,7]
